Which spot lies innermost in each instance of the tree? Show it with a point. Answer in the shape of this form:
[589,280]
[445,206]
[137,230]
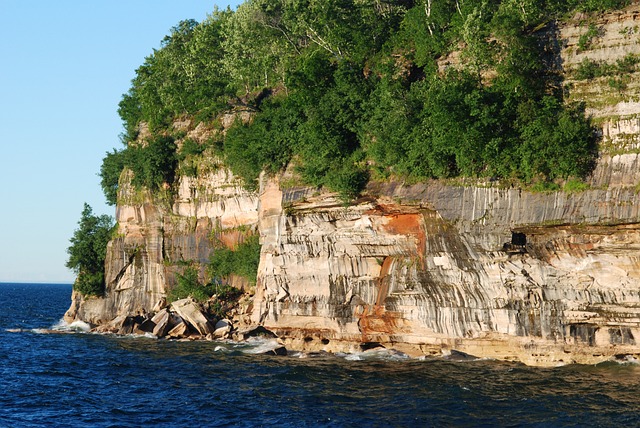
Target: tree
[257,45]
[88,251]
[153,165]
[112,165]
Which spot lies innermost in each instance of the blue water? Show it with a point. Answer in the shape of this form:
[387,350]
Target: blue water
[90,380]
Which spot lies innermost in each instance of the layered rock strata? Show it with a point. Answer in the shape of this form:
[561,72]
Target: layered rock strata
[499,272]
[157,238]
[541,278]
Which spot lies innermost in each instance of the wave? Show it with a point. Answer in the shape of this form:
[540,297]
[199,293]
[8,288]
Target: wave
[377,354]
[252,346]
[625,359]
[74,327]
[59,327]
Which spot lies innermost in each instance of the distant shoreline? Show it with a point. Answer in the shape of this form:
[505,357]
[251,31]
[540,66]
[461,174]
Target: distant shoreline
[34,283]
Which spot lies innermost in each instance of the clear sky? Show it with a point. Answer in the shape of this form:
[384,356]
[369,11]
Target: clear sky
[64,66]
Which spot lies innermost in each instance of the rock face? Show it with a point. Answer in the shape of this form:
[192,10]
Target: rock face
[543,278]
[156,238]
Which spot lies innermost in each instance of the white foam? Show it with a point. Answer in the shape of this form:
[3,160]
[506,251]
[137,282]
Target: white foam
[76,326]
[220,348]
[80,326]
[258,345]
[628,359]
[133,336]
[376,354]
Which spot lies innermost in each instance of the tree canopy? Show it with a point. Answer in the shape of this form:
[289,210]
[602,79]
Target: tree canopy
[350,90]
[88,250]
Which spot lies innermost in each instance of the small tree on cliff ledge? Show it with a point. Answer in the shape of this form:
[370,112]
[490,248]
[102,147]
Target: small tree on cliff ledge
[88,251]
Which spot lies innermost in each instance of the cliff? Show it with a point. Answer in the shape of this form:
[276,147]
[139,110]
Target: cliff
[544,278]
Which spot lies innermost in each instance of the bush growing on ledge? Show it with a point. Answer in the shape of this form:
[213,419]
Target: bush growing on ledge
[243,261]
[88,251]
[189,285]
[153,165]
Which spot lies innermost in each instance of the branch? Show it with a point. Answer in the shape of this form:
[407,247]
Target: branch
[427,11]
[320,42]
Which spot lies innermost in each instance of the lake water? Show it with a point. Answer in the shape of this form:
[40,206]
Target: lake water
[83,379]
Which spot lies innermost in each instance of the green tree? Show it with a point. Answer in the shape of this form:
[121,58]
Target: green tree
[88,251]
[112,165]
[188,285]
[258,45]
[153,164]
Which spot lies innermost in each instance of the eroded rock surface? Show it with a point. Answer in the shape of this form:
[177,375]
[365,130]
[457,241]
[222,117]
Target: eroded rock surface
[484,270]
[542,278]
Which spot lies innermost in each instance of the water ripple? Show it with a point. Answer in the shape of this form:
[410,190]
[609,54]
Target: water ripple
[86,380]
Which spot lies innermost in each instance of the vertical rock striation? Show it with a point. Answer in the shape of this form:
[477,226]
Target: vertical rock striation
[544,278]
[156,237]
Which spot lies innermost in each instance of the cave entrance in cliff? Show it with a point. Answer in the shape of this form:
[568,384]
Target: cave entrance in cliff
[517,245]
[518,239]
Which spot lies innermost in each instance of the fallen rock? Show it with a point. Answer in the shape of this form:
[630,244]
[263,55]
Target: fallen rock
[128,326]
[104,328]
[162,323]
[179,331]
[221,333]
[454,355]
[280,351]
[146,326]
[162,303]
[124,324]
[191,312]
[223,323]
[223,329]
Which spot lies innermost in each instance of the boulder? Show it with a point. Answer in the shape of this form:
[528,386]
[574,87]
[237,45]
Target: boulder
[455,355]
[162,323]
[124,324]
[146,326]
[191,312]
[223,329]
[162,303]
[180,330]
[223,323]
[279,351]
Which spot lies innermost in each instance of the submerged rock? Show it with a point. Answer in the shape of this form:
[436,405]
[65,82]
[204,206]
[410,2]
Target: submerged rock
[279,351]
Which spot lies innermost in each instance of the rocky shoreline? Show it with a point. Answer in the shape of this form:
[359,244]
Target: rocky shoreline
[487,269]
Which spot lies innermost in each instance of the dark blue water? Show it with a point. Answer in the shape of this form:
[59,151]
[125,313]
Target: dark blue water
[106,381]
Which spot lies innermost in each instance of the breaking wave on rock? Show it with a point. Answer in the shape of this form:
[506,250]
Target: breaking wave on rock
[74,327]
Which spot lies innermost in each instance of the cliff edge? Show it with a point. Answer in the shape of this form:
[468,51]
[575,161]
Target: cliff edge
[545,278]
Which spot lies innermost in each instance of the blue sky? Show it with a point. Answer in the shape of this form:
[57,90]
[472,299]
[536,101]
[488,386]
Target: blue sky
[64,65]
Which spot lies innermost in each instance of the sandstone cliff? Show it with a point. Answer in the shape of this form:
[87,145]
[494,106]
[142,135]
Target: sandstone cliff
[500,272]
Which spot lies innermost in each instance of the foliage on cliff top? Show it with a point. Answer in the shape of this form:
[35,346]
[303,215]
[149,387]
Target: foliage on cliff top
[354,88]
[88,251]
